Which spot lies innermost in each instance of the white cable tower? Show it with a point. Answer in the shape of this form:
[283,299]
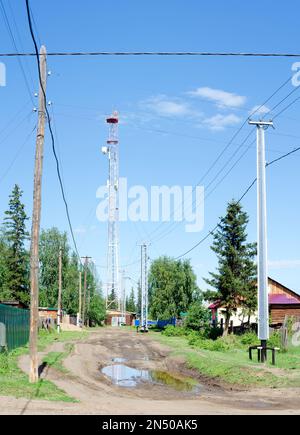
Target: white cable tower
[144,287]
[112,151]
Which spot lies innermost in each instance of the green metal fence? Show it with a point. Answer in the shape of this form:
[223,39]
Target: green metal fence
[14,323]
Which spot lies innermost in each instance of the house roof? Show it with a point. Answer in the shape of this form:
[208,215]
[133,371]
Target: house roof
[47,309]
[13,303]
[283,299]
[288,290]
[214,305]
[289,297]
[118,313]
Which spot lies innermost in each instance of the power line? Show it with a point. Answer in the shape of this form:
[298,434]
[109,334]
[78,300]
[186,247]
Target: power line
[227,146]
[15,129]
[18,152]
[51,130]
[11,120]
[35,25]
[157,53]
[20,42]
[282,157]
[240,200]
[10,32]
[287,107]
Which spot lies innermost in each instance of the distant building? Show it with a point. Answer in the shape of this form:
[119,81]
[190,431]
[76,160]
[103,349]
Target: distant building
[48,313]
[282,302]
[115,318]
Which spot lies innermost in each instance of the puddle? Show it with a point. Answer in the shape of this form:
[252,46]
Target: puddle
[171,381]
[127,377]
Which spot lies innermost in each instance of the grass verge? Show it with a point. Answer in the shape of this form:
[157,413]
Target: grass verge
[233,366]
[55,359]
[14,382]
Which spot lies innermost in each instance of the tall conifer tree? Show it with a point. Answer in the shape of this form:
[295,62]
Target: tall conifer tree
[17,260]
[236,276]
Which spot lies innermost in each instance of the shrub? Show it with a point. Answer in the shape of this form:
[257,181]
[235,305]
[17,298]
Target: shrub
[194,338]
[232,341]
[275,340]
[4,362]
[173,331]
[197,317]
[218,345]
[214,333]
[249,339]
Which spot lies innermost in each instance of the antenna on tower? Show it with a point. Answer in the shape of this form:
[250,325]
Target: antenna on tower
[113,296]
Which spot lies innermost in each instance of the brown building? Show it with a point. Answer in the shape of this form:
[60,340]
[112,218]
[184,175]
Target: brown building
[115,318]
[282,302]
[48,313]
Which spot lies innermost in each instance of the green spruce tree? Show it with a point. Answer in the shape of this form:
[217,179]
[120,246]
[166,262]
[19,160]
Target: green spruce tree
[130,302]
[235,279]
[112,302]
[17,259]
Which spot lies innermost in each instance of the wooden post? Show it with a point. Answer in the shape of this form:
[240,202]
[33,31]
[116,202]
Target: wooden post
[86,261]
[88,304]
[36,222]
[84,293]
[59,316]
[80,300]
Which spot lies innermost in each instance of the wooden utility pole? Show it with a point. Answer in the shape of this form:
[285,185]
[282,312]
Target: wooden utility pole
[80,300]
[59,316]
[86,262]
[36,221]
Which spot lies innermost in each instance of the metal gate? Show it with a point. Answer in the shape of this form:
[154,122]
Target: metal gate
[14,327]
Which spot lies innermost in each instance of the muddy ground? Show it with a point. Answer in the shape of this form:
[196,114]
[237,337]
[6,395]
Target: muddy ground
[98,395]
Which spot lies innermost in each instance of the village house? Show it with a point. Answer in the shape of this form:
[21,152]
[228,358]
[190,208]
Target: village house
[282,302]
[116,318]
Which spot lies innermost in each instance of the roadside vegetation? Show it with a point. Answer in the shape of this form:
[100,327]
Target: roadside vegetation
[14,382]
[15,267]
[204,345]
[226,359]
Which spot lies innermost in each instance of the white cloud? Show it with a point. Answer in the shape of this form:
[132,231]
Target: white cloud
[284,264]
[220,122]
[222,99]
[164,106]
[259,110]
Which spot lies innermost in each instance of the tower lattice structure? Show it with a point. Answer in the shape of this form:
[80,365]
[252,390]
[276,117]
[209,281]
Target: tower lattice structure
[113,295]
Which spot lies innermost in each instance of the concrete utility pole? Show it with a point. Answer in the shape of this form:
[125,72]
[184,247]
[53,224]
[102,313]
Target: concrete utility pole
[36,219]
[59,316]
[263,294]
[144,286]
[86,262]
[80,300]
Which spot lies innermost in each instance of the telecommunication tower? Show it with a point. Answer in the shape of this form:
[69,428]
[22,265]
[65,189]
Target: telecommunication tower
[144,286]
[113,296]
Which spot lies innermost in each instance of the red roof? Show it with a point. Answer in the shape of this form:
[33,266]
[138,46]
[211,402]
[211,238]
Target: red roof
[283,299]
[214,305]
[277,299]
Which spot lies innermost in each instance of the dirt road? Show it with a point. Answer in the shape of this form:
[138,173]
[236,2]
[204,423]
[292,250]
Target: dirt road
[97,393]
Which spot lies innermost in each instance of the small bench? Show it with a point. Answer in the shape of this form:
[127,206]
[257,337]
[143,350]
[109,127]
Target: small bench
[260,353]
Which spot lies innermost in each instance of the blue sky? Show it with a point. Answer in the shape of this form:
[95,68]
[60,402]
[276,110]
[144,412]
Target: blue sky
[177,115]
